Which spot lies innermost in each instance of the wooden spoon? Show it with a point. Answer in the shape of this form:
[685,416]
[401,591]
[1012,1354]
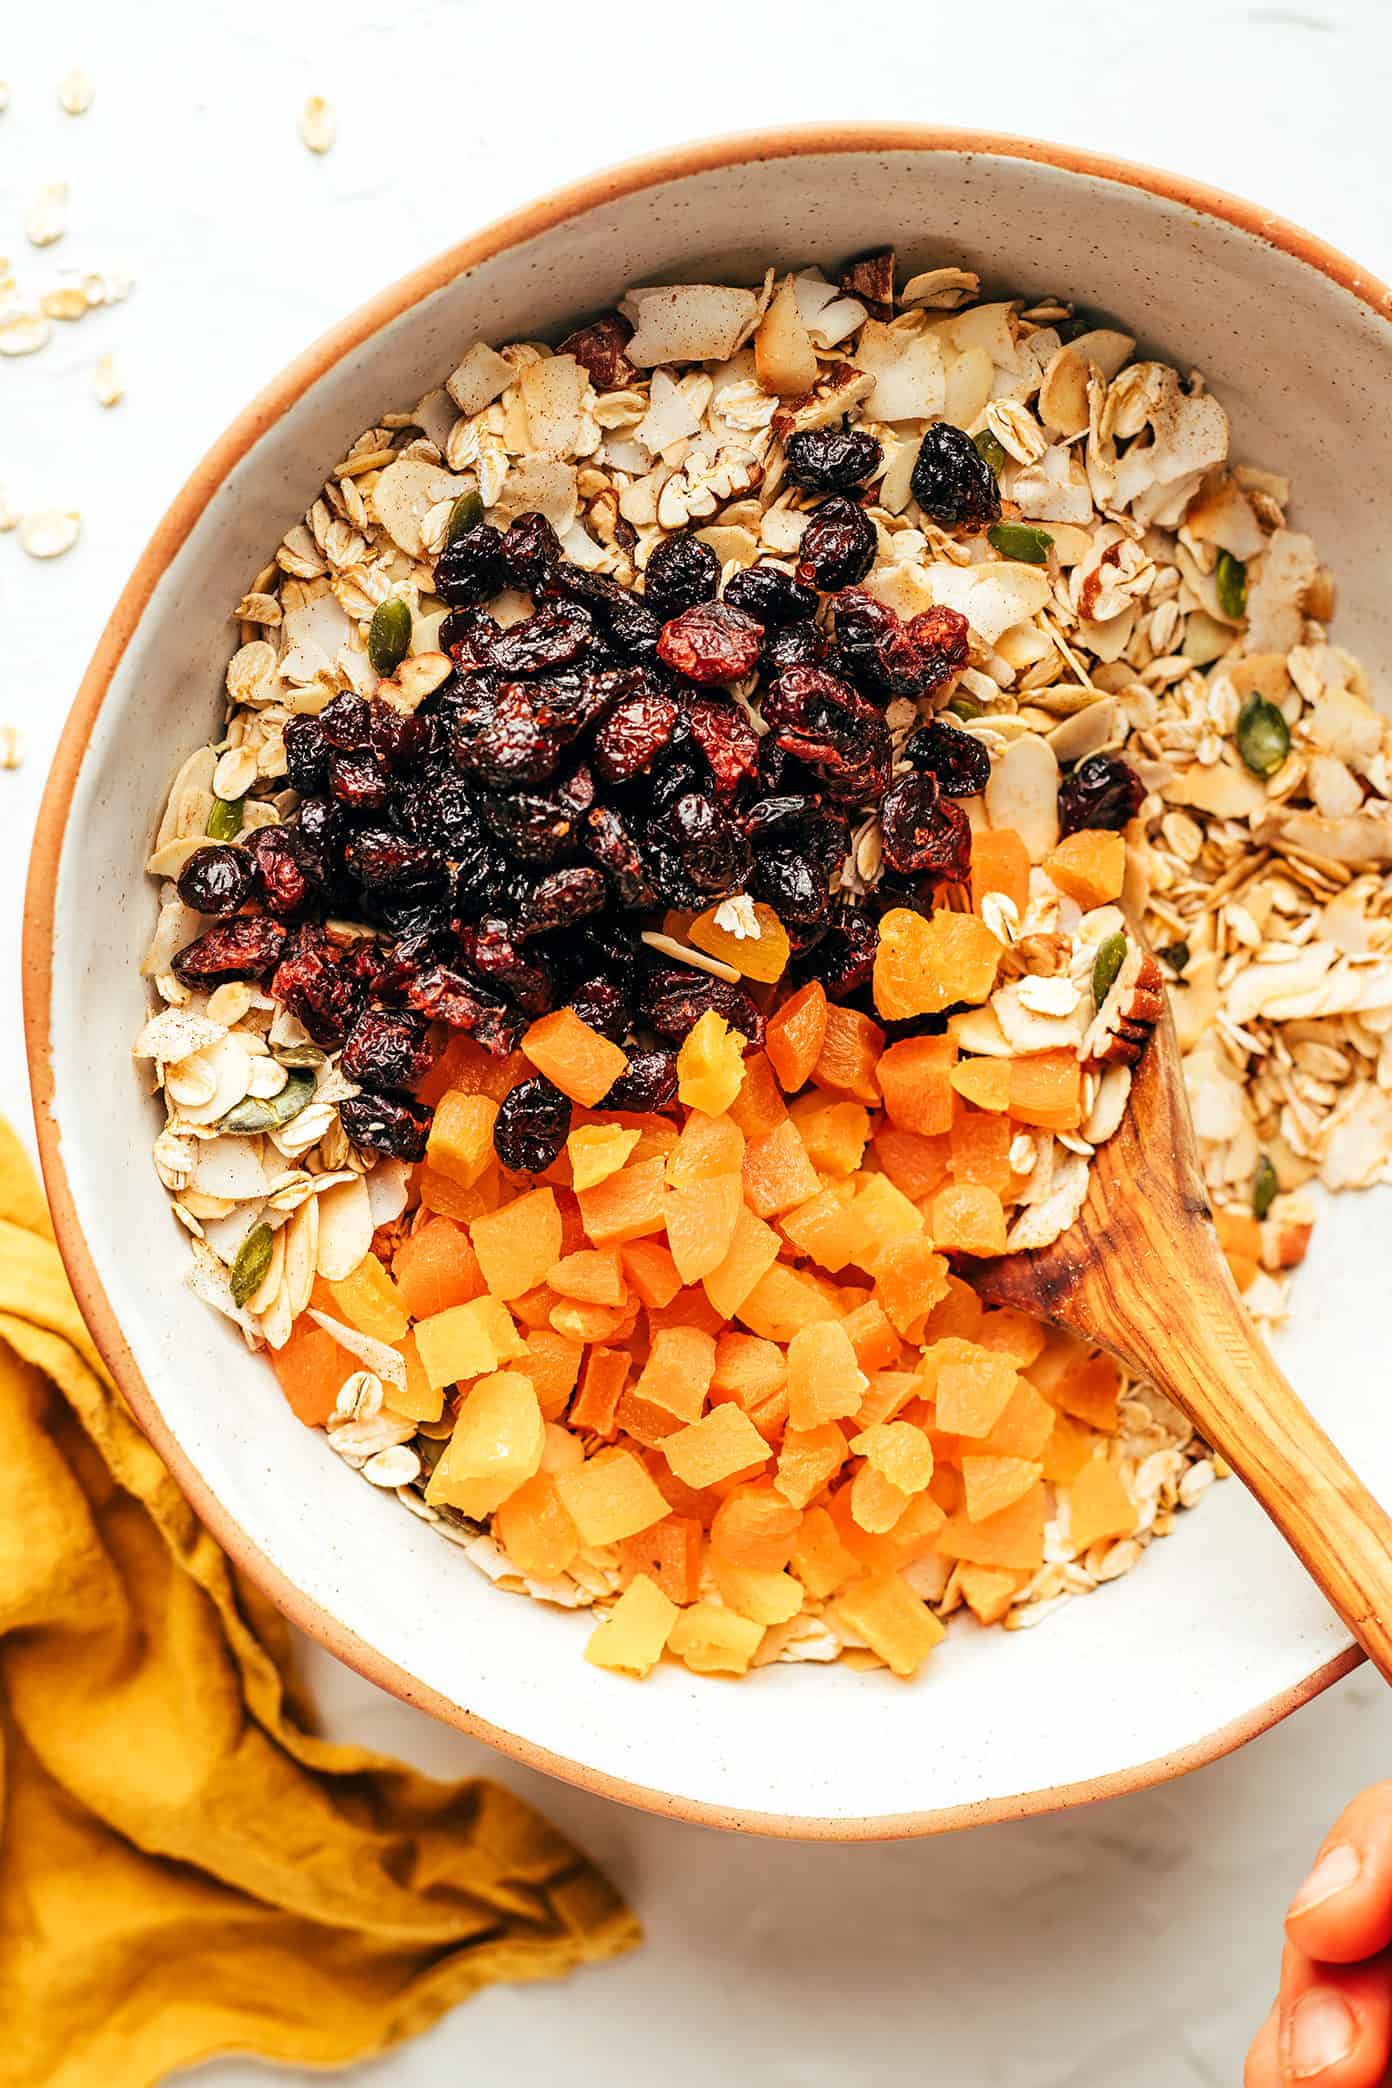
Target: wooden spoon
[1141,1273]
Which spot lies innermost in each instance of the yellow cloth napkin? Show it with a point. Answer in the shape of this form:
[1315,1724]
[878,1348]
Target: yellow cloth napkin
[184,1869]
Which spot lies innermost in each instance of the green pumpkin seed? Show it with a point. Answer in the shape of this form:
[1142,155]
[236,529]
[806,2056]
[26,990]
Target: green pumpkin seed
[966,707]
[253,1260]
[1264,1187]
[299,1055]
[1176,955]
[992,449]
[268,1113]
[1263,736]
[467,513]
[225,819]
[1019,540]
[1231,576]
[389,635]
[1106,966]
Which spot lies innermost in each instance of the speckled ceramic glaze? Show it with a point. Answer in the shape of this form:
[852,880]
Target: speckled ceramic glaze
[1218,1633]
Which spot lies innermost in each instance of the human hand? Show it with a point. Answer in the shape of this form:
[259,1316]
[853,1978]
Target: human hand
[1332,2021]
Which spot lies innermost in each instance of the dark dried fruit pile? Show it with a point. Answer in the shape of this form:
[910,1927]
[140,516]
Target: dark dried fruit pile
[583,767]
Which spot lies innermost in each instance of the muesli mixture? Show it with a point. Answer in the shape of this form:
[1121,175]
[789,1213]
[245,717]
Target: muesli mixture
[658,909]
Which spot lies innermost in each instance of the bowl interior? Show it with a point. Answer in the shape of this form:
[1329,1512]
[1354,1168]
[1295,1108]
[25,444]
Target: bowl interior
[1217,1621]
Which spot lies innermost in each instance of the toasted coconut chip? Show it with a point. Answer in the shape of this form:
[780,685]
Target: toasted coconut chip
[1220,513]
[1054,489]
[1275,598]
[313,632]
[345,1228]
[230,1167]
[686,322]
[944,289]
[1223,789]
[480,378]
[1023,793]
[405,493]
[174,1033]
[226,1235]
[968,377]
[784,358]
[387,1190]
[543,484]
[669,416]
[1042,1223]
[907,369]
[385,1362]
[992,597]
[210,1281]
[1105,347]
[552,391]
[828,315]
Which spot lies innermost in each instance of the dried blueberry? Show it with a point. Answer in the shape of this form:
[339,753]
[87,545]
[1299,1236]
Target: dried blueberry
[468,636]
[389,1124]
[600,1003]
[712,851]
[401,739]
[530,548]
[532,827]
[216,880]
[838,545]
[557,635]
[770,595]
[831,460]
[288,870]
[387,1048]
[624,619]
[794,886]
[874,645]
[383,861]
[844,959]
[649,1083]
[795,645]
[1103,791]
[952,482]
[306,764]
[562,899]
[681,572]
[674,1000]
[532,1126]
[957,759]
[492,948]
[346,722]
[471,568]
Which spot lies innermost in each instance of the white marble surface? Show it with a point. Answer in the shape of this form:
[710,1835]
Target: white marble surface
[1130,1946]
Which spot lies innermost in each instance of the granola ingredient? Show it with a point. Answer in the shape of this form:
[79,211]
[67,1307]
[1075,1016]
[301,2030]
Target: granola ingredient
[952,481]
[389,634]
[1103,791]
[1263,736]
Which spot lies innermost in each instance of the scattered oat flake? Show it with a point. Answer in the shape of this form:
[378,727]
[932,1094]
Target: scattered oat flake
[75,92]
[318,124]
[12,748]
[24,333]
[48,217]
[68,301]
[107,382]
[50,532]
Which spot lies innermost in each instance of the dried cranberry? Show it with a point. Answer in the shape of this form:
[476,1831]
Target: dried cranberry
[245,947]
[633,735]
[468,635]
[532,827]
[874,645]
[440,808]
[844,959]
[712,851]
[561,898]
[532,1126]
[530,549]
[824,723]
[831,460]
[471,568]
[1103,791]
[681,572]
[599,349]
[492,949]
[346,722]
[613,847]
[558,634]
[838,545]
[358,780]
[958,760]
[319,824]
[402,740]
[770,595]
[729,742]
[287,869]
[387,1048]
[674,1000]
[711,643]
[941,639]
[925,835]
[796,645]
[216,880]
[306,763]
[648,1083]
[318,990]
[794,886]
[443,994]
[382,861]
[497,734]
[624,619]
[775,821]
[600,1003]
[480,871]
[952,482]
[388,1124]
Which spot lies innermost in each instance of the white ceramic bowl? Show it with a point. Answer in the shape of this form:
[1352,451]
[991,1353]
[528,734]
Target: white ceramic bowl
[1218,1633]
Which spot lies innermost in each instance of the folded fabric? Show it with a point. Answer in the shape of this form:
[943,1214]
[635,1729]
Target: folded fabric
[185,1869]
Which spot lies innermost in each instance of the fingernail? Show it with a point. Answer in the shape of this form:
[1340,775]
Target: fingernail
[1320,2033]
[1335,1872]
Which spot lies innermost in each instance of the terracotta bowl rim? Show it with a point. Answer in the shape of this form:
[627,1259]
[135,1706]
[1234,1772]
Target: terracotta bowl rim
[265,409]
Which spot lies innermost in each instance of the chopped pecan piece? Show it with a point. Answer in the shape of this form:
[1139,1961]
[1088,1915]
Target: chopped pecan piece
[871,279]
[837,389]
[1140,1007]
[599,349]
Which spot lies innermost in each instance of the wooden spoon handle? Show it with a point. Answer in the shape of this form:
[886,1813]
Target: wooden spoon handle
[1208,1357]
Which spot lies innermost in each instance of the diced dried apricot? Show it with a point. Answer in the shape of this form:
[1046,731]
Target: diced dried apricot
[610,1497]
[1009,1333]
[534,1529]
[518,1243]
[958,1316]
[946,1483]
[603,1376]
[593,1275]
[464,1064]
[992,1483]
[707,1146]
[1014,1537]
[882,1217]
[712,1639]
[710,1064]
[763,956]
[872,1335]
[970,1385]
[370,1301]
[770,1416]
[892,1620]
[597,1151]
[535,1307]
[496,1444]
[915,1079]
[651,1271]
[461,1137]
[574,1057]
[1089,1389]
[777,1172]
[758,1108]
[988,1591]
[1239,1236]
[439,1194]
[747,1369]
[1068,1449]
[763,1596]
[678,1372]
[552,1362]
[783,1301]
[756,1526]
[628,1205]
[850,1053]
[701,1220]
[1023,1427]
[925,964]
[914,1164]
[983,1081]
[899,1451]
[419,1400]
[1046,1090]
[436,1267]
[311,1368]
[833,1132]
[669,1552]
[968,1219]
[633,1636]
[876,1502]
[820,1560]
[723,1444]
[825,1382]
[824,1228]
[1098,1505]
[1000,863]
[807,1459]
[888,1392]
[578,1321]
[795,1034]
[1089,866]
[981,1151]
[690,1308]
[752,1252]
[467,1341]
[910,1279]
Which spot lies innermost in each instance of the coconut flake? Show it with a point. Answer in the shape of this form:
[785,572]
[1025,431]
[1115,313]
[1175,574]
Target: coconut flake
[686,322]
[384,1362]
